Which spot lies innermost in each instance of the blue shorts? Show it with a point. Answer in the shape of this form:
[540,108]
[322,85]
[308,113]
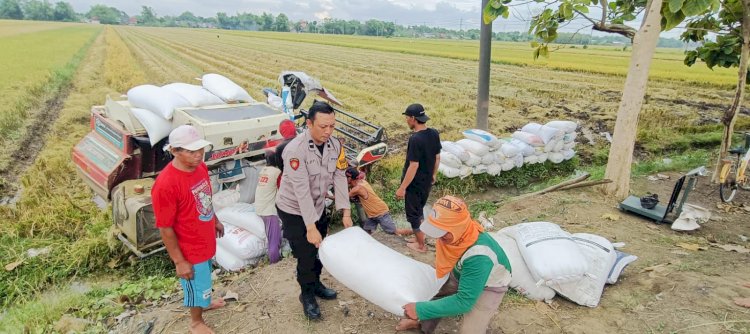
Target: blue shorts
[197,291]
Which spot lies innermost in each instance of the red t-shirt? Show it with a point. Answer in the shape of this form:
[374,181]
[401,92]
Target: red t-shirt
[182,201]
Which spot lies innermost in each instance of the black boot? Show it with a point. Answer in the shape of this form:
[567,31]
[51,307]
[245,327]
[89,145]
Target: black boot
[310,305]
[323,292]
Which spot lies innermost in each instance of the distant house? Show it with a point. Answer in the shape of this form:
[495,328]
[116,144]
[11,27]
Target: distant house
[132,21]
[302,25]
[94,20]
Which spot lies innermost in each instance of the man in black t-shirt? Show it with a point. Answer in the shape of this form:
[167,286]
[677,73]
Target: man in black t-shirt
[420,170]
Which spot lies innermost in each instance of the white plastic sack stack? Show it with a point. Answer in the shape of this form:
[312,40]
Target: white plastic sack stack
[229,261]
[379,274]
[455,149]
[241,243]
[553,257]
[196,95]
[547,133]
[448,171]
[522,280]
[482,137]
[156,99]
[156,126]
[474,147]
[473,159]
[526,149]
[494,169]
[565,126]
[510,150]
[225,198]
[600,256]
[225,89]
[449,159]
[243,215]
[528,138]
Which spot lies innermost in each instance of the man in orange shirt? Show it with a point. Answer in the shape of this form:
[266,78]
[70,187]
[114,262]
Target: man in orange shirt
[376,211]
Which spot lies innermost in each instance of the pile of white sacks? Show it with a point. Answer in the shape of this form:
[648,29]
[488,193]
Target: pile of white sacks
[154,106]
[481,152]
[244,242]
[546,260]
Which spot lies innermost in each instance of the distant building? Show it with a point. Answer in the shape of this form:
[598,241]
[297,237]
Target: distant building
[132,21]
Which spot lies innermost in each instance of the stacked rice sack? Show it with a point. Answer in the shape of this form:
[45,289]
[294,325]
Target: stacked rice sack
[479,152]
[154,106]
[546,260]
[482,152]
[553,141]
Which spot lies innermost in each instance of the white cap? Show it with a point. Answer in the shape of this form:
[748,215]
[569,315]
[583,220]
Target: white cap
[187,137]
[427,227]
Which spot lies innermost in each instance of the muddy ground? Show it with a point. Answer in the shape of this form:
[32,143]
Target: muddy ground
[669,289]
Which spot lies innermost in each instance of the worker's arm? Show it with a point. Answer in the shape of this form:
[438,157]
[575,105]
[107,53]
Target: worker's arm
[435,169]
[474,274]
[341,189]
[408,177]
[183,267]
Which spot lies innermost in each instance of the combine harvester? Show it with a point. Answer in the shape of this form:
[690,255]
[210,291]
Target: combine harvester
[122,155]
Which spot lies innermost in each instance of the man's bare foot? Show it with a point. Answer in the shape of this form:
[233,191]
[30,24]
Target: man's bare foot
[200,327]
[215,303]
[415,247]
[407,324]
[410,239]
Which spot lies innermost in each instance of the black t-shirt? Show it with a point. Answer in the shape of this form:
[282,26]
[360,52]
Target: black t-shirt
[422,148]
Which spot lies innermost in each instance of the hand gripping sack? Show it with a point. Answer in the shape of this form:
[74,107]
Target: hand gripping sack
[196,95]
[379,274]
[552,255]
[241,243]
[243,215]
[522,280]
[483,137]
[449,159]
[600,256]
[156,99]
[225,89]
[474,147]
[455,149]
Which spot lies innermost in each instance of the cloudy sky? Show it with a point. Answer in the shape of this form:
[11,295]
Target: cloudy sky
[449,14]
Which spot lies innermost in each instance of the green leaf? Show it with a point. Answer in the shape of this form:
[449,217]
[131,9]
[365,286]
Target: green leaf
[582,8]
[496,4]
[534,44]
[695,7]
[675,5]
[506,12]
[544,51]
[488,17]
[671,20]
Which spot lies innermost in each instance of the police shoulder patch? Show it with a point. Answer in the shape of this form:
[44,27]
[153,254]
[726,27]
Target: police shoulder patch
[342,163]
[294,163]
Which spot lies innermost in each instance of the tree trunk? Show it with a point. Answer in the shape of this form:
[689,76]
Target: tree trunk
[730,115]
[621,152]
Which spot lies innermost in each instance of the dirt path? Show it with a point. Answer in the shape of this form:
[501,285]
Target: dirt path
[668,289]
[29,146]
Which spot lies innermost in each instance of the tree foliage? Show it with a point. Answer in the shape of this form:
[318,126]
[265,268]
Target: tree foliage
[11,9]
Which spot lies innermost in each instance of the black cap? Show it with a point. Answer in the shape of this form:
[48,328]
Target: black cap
[416,110]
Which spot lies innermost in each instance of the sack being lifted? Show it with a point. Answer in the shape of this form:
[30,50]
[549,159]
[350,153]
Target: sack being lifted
[379,274]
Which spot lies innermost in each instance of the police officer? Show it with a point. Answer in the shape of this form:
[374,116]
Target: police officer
[313,162]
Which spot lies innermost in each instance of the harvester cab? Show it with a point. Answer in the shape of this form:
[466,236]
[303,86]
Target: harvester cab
[123,153]
[364,142]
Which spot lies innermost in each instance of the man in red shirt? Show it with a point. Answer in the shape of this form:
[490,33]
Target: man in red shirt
[185,217]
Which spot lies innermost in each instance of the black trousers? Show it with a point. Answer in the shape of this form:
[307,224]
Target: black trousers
[414,202]
[309,266]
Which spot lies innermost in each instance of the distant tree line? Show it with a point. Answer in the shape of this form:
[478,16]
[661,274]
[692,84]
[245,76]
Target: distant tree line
[63,11]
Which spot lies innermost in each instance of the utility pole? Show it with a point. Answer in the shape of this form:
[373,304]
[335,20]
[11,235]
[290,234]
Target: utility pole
[483,89]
